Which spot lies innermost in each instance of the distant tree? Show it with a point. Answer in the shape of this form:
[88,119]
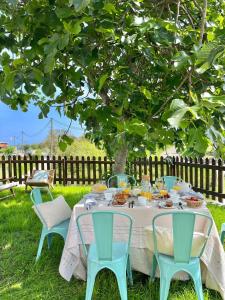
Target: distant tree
[139,74]
[8,151]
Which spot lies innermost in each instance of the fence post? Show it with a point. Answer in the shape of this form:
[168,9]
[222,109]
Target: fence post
[3,167]
[213,177]
[19,169]
[10,166]
[173,166]
[220,179]
[64,162]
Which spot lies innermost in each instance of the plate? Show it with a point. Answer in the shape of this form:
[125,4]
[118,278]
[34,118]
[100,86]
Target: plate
[166,207]
[118,205]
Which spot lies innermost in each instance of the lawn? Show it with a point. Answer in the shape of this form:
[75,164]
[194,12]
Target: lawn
[21,278]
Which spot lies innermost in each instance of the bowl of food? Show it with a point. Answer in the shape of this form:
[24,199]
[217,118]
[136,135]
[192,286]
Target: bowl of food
[169,203]
[99,188]
[193,201]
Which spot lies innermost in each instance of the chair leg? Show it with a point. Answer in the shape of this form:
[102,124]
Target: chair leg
[122,283]
[49,240]
[12,192]
[222,237]
[198,283]
[154,266]
[41,242]
[129,271]
[90,285]
[164,287]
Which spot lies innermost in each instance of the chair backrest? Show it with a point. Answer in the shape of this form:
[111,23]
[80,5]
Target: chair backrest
[170,181]
[121,178]
[36,197]
[183,230]
[103,222]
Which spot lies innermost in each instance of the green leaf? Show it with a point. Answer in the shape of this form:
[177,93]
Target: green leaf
[62,145]
[177,117]
[43,41]
[63,41]
[49,64]
[38,75]
[110,8]
[73,27]
[48,88]
[67,139]
[79,4]
[136,126]
[215,98]
[181,60]
[146,92]
[64,12]
[207,55]
[18,62]
[177,104]
[9,81]
[101,81]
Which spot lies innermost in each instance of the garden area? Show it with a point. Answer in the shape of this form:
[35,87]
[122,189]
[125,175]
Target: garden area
[21,278]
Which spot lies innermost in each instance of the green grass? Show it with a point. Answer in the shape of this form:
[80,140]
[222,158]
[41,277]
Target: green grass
[21,278]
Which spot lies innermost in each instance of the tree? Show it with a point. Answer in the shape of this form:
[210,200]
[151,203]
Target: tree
[139,74]
[8,151]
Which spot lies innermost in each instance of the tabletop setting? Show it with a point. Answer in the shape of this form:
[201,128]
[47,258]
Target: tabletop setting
[168,196]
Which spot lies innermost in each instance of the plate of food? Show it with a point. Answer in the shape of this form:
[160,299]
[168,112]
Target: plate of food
[165,205]
[99,188]
[119,204]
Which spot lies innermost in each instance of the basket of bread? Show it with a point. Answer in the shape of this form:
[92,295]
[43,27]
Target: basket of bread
[193,201]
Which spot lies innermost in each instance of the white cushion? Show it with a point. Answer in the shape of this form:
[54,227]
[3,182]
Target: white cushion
[53,212]
[165,241]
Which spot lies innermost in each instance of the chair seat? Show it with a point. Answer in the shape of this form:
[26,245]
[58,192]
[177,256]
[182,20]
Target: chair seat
[62,224]
[119,251]
[169,260]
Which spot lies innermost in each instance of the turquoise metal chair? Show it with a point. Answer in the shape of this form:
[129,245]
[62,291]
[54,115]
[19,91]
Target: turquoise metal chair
[106,253]
[222,233]
[60,229]
[183,229]
[121,178]
[170,181]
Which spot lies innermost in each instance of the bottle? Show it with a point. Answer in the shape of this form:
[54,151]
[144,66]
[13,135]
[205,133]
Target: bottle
[145,184]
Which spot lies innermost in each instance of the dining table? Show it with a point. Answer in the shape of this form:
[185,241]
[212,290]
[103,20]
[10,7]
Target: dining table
[73,261]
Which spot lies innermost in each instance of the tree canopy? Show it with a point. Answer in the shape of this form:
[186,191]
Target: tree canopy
[139,74]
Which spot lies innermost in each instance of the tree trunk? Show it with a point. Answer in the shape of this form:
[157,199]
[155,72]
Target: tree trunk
[121,158]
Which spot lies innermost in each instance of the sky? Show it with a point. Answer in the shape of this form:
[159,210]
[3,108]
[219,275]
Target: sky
[13,122]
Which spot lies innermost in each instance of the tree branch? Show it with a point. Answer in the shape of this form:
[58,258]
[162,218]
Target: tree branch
[188,16]
[203,22]
[197,5]
[178,12]
[171,96]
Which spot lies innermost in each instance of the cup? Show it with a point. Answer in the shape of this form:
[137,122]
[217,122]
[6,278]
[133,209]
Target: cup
[142,201]
[108,196]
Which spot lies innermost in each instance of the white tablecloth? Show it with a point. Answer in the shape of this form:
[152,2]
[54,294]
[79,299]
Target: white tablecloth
[73,262]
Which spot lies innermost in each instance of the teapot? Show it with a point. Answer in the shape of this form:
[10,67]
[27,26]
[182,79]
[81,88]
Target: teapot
[184,186]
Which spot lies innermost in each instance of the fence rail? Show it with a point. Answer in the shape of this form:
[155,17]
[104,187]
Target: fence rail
[205,175]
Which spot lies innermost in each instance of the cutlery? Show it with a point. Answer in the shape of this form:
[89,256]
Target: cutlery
[180,205]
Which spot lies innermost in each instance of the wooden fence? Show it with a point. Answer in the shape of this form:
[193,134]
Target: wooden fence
[205,175]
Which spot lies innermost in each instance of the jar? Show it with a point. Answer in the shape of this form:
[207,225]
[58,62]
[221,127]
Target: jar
[145,184]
